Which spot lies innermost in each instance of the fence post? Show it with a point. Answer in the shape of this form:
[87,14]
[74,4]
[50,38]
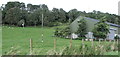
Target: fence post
[92,43]
[30,46]
[54,44]
[105,40]
[71,43]
[114,43]
[99,41]
[117,41]
[83,46]
[109,40]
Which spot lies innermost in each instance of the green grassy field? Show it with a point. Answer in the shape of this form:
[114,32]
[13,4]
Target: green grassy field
[17,40]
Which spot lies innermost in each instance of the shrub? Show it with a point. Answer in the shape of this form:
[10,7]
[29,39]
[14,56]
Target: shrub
[21,22]
[116,37]
[62,32]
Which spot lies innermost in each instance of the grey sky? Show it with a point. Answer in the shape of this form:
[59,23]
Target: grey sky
[110,6]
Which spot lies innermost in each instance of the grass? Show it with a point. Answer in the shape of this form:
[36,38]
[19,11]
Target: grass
[17,39]
[112,53]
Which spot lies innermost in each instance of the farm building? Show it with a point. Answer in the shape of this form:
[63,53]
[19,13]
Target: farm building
[90,23]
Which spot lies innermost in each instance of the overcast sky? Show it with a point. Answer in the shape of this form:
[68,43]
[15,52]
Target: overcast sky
[110,6]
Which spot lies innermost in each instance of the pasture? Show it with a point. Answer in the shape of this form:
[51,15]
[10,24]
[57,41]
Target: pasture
[15,40]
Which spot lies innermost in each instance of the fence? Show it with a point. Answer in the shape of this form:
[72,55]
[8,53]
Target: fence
[95,48]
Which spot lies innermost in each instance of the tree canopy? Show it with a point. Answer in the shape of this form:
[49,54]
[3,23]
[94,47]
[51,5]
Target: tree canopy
[14,12]
[101,29]
[82,29]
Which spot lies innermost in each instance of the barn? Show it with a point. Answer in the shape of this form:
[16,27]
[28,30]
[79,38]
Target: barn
[113,28]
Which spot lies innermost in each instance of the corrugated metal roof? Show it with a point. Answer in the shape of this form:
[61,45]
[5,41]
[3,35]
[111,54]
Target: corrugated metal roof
[106,22]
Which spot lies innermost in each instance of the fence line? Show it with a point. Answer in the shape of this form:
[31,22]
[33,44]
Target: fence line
[83,45]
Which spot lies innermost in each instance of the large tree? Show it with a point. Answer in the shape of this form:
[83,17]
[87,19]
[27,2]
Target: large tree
[12,12]
[13,16]
[73,14]
[55,12]
[62,15]
[101,29]
[82,29]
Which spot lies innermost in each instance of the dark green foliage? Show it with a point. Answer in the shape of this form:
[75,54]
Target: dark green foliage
[112,18]
[21,22]
[13,16]
[13,12]
[117,37]
[57,32]
[64,32]
[82,28]
[101,29]
[73,14]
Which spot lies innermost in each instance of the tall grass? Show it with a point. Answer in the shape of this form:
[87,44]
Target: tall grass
[97,49]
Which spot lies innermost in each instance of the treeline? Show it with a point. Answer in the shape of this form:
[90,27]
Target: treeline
[17,13]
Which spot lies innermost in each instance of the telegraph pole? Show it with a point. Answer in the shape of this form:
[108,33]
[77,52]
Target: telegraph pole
[42,27]
[42,24]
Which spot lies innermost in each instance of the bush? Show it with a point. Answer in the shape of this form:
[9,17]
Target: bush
[21,22]
[116,37]
[57,32]
[64,32]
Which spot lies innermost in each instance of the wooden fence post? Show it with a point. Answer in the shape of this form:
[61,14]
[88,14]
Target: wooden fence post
[109,40]
[99,41]
[30,46]
[92,43]
[105,40]
[117,41]
[54,44]
[82,40]
[113,45]
[114,41]
[83,46]
[71,43]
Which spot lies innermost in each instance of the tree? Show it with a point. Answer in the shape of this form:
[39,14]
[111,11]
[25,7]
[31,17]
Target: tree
[46,15]
[73,14]
[117,37]
[10,5]
[62,16]
[13,16]
[55,12]
[33,18]
[82,28]
[13,12]
[101,29]
[118,20]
